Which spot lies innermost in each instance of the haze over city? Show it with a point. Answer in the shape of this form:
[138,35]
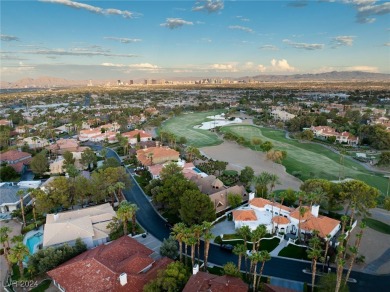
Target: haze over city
[166,39]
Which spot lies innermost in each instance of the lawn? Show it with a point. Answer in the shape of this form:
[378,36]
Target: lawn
[183,126]
[293,251]
[377,225]
[309,160]
[265,244]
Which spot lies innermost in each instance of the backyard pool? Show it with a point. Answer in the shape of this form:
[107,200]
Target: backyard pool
[197,170]
[33,241]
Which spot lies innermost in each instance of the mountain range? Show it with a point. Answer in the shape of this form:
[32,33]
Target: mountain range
[351,76]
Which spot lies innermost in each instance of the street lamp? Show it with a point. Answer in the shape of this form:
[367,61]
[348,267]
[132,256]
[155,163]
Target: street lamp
[388,185]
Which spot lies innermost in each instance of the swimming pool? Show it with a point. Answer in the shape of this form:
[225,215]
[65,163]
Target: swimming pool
[197,170]
[33,241]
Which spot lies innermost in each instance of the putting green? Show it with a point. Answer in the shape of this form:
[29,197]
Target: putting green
[309,160]
[183,126]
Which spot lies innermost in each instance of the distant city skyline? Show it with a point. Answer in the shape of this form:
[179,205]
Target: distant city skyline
[166,39]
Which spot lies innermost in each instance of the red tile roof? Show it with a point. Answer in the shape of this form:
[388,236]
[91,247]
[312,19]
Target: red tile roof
[13,155]
[280,220]
[244,215]
[99,269]
[204,282]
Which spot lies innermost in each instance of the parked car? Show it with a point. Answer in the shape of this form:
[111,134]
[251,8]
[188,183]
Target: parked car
[227,247]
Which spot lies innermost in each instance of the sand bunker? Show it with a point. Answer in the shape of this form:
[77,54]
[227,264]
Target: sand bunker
[239,156]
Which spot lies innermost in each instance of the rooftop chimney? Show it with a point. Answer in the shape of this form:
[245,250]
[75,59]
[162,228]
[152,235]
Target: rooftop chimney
[251,196]
[123,279]
[195,269]
[314,210]
[56,216]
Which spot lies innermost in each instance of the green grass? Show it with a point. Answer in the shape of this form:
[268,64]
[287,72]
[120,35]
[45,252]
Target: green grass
[377,225]
[294,252]
[318,162]
[183,126]
[42,286]
[265,244]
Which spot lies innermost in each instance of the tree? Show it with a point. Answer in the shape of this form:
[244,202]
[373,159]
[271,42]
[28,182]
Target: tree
[4,240]
[169,248]
[255,257]
[275,155]
[196,207]
[256,141]
[207,236]
[17,253]
[302,211]
[239,250]
[110,162]
[169,170]
[384,159]
[247,175]
[178,233]
[173,278]
[124,213]
[264,257]
[69,159]
[230,269]
[261,181]
[327,283]
[88,157]
[307,135]
[21,193]
[266,146]
[39,164]
[192,152]
[273,180]
[133,210]
[103,153]
[7,173]
[234,200]
[197,229]
[314,253]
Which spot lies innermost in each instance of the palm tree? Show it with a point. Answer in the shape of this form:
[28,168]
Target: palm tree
[207,235]
[314,253]
[103,153]
[186,235]
[17,254]
[257,234]
[245,233]
[302,211]
[192,152]
[197,230]
[355,249]
[273,196]
[4,240]
[178,233]
[111,190]
[273,181]
[239,250]
[264,257]
[133,211]
[120,186]
[340,261]
[150,156]
[21,193]
[327,240]
[281,196]
[255,258]
[192,240]
[124,214]
[262,180]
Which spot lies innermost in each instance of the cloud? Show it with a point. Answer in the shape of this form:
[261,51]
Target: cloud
[141,66]
[298,3]
[305,46]
[281,66]
[94,9]
[123,40]
[206,40]
[209,6]
[243,19]
[386,44]
[269,47]
[229,67]
[81,52]
[367,9]
[342,40]
[370,69]
[239,27]
[12,70]
[8,38]
[173,23]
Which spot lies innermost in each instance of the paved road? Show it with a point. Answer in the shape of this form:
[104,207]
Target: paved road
[278,267]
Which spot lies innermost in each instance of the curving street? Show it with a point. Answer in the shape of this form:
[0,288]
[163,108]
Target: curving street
[277,267]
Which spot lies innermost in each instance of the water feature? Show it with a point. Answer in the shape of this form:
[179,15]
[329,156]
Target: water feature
[33,241]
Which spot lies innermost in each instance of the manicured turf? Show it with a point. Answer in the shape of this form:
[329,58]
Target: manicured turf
[265,244]
[377,225]
[294,252]
[308,160]
[183,126]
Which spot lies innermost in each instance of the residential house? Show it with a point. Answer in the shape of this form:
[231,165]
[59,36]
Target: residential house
[188,169]
[152,111]
[325,132]
[217,191]
[89,224]
[133,136]
[98,135]
[4,122]
[18,160]
[119,266]
[33,142]
[281,115]
[63,145]
[284,219]
[205,282]
[156,155]
[23,129]
[10,200]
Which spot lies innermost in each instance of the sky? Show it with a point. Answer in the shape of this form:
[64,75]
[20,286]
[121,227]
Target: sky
[132,39]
